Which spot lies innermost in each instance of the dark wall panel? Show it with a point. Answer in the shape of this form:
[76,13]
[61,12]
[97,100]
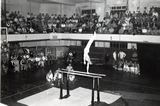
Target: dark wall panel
[149,58]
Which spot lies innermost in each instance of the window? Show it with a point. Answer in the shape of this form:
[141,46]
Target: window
[88,11]
[118,45]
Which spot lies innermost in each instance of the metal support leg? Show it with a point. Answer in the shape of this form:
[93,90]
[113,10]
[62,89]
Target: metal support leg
[92,101]
[98,95]
[61,90]
[68,86]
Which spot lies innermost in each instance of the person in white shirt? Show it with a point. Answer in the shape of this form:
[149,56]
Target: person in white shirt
[155,14]
[114,59]
[49,77]
[70,69]
[58,77]
[121,55]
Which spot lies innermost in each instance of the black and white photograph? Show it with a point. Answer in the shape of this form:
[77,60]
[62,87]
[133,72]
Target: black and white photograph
[80,53]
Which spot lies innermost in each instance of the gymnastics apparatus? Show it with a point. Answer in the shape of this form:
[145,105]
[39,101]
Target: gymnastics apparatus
[95,80]
[95,76]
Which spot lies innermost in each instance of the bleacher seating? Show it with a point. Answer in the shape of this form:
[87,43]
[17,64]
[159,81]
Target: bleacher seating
[127,23]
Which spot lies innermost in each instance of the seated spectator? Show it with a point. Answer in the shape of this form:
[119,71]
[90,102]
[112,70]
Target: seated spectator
[24,31]
[7,15]
[145,13]
[31,30]
[19,30]
[39,16]
[136,68]
[130,28]
[11,29]
[121,30]
[49,77]
[125,66]
[154,31]
[111,30]
[28,17]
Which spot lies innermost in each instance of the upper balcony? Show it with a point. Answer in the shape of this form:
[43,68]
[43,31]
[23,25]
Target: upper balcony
[76,36]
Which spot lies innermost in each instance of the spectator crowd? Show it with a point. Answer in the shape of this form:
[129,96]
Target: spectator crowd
[16,59]
[145,22]
[116,23]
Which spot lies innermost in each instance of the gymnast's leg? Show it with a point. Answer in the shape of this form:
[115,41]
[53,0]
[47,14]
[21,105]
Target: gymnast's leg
[86,49]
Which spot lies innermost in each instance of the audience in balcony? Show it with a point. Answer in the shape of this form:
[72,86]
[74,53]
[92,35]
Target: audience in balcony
[116,23]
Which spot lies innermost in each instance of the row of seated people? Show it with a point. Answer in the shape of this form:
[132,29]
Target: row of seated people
[125,23]
[132,23]
[126,63]
[132,67]
[26,61]
[128,66]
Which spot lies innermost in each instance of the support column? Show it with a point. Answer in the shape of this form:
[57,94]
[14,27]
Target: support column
[67,86]
[92,101]
[5,11]
[90,14]
[0,81]
[61,12]
[30,13]
[127,4]
[105,2]
[61,90]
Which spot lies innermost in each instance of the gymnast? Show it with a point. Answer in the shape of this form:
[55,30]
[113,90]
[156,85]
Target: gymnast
[86,57]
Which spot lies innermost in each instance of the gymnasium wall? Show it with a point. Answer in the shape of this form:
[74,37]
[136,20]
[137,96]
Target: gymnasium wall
[149,58]
[133,4]
[99,7]
[57,9]
[24,6]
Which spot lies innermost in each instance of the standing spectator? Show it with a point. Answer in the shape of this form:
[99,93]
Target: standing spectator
[145,10]
[134,56]
[106,58]
[138,10]
[28,18]
[155,14]
[39,16]
[114,59]
[121,55]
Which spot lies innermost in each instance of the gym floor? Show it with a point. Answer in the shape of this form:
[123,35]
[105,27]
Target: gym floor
[136,90]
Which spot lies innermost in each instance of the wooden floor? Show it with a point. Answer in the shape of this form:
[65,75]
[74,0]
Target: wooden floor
[136,90]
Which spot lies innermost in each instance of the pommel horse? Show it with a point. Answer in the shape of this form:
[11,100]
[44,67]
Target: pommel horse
[94,77]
